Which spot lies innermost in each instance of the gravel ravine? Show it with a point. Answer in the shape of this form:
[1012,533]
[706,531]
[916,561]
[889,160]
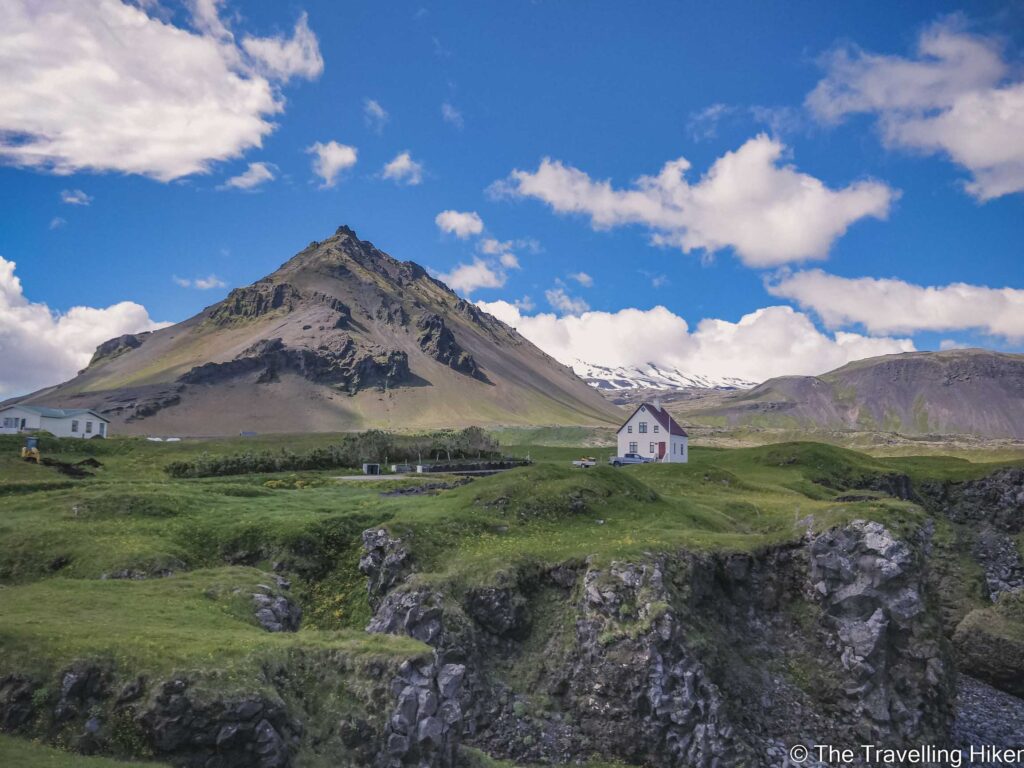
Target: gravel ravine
[986,715]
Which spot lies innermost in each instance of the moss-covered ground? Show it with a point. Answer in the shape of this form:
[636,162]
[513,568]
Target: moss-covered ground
[65,545]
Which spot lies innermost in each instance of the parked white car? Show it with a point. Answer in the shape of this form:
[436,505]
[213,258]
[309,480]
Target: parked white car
[629,458]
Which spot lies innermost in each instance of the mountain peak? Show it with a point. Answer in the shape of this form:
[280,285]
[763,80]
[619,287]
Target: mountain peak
[341,336]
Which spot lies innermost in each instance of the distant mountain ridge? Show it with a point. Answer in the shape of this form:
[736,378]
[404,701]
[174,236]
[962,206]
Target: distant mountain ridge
[341,336]
[963,391]
[651,376]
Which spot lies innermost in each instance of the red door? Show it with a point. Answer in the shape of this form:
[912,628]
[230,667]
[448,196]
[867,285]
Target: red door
[661,451]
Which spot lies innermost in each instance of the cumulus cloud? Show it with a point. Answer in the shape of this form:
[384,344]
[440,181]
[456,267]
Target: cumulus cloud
[895,306]
[956,96]
[41,347]
[284,58]
[565,304]
[375,115]
[767,212]
[403,170]
[201,283]
[255,175]
[467,278]
[452,116]
[330,159]
[104,86]
[773,341]
[462,224]
[75,197]
[583,279]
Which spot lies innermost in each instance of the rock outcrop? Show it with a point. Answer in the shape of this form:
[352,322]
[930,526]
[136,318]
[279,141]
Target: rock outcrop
[437,340]
[118,346]
[655,658]
[342,364]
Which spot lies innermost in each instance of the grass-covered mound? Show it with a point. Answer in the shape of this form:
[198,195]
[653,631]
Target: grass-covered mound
[22,753]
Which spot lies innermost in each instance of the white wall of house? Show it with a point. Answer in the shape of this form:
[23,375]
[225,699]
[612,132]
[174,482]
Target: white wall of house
[84,425]
[644,434]
[15,419]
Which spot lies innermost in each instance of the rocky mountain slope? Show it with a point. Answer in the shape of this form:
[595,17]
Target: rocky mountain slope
[342,336]
[968,391]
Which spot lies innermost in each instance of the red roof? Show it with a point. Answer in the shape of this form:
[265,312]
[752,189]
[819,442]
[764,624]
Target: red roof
[664,418]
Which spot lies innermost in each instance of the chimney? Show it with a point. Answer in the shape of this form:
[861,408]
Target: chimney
[657,403]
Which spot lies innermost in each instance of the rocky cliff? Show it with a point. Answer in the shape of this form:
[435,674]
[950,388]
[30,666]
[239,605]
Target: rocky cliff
[656,661]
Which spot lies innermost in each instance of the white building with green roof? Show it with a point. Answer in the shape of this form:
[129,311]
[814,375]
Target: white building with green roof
[61,422]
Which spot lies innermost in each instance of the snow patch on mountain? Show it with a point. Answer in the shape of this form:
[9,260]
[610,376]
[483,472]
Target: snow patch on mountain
[651,376]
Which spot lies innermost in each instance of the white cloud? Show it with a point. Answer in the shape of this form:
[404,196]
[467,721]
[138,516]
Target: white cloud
[956,96]
[773,341]
[770,214]
[75,197]
[947,344]
[403,170]
[200,283]
[103,86]
[41,347]
[565,304]
[57,222]
[462,224]
[375,115]
[895,306]
[330,159]
[509,260]
[255,175]
[284,58]
[703,124]
[452,116]
[582,278]
[469,277]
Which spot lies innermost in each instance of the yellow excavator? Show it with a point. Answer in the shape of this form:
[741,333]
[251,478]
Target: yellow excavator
[30,451]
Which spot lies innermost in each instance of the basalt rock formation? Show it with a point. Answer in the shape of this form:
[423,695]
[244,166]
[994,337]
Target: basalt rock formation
[667,660]
[341,336]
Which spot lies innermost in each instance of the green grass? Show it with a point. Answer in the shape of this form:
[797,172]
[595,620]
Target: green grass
[22,753]
[160,626]
[221,537]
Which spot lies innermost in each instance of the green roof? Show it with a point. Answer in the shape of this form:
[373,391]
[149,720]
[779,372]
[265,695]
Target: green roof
[56,413]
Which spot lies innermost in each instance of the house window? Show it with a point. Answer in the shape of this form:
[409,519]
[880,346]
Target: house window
[652,447]
[632,448]
[655,429]
[629,429]
[10,423]
[88,427]
[74,425]
[643,427]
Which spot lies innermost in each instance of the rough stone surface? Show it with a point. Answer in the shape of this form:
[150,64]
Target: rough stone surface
[249,732]
[898,667]
[425,726]
[384,561]
[276,612]
[664,656]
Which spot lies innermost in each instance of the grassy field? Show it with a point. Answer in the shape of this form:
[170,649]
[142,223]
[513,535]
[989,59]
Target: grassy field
[22,753]
[67,546]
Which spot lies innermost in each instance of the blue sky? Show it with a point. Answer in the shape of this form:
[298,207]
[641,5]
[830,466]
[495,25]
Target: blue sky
[612,90]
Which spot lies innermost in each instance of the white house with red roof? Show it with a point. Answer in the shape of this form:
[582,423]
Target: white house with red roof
[653,433]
